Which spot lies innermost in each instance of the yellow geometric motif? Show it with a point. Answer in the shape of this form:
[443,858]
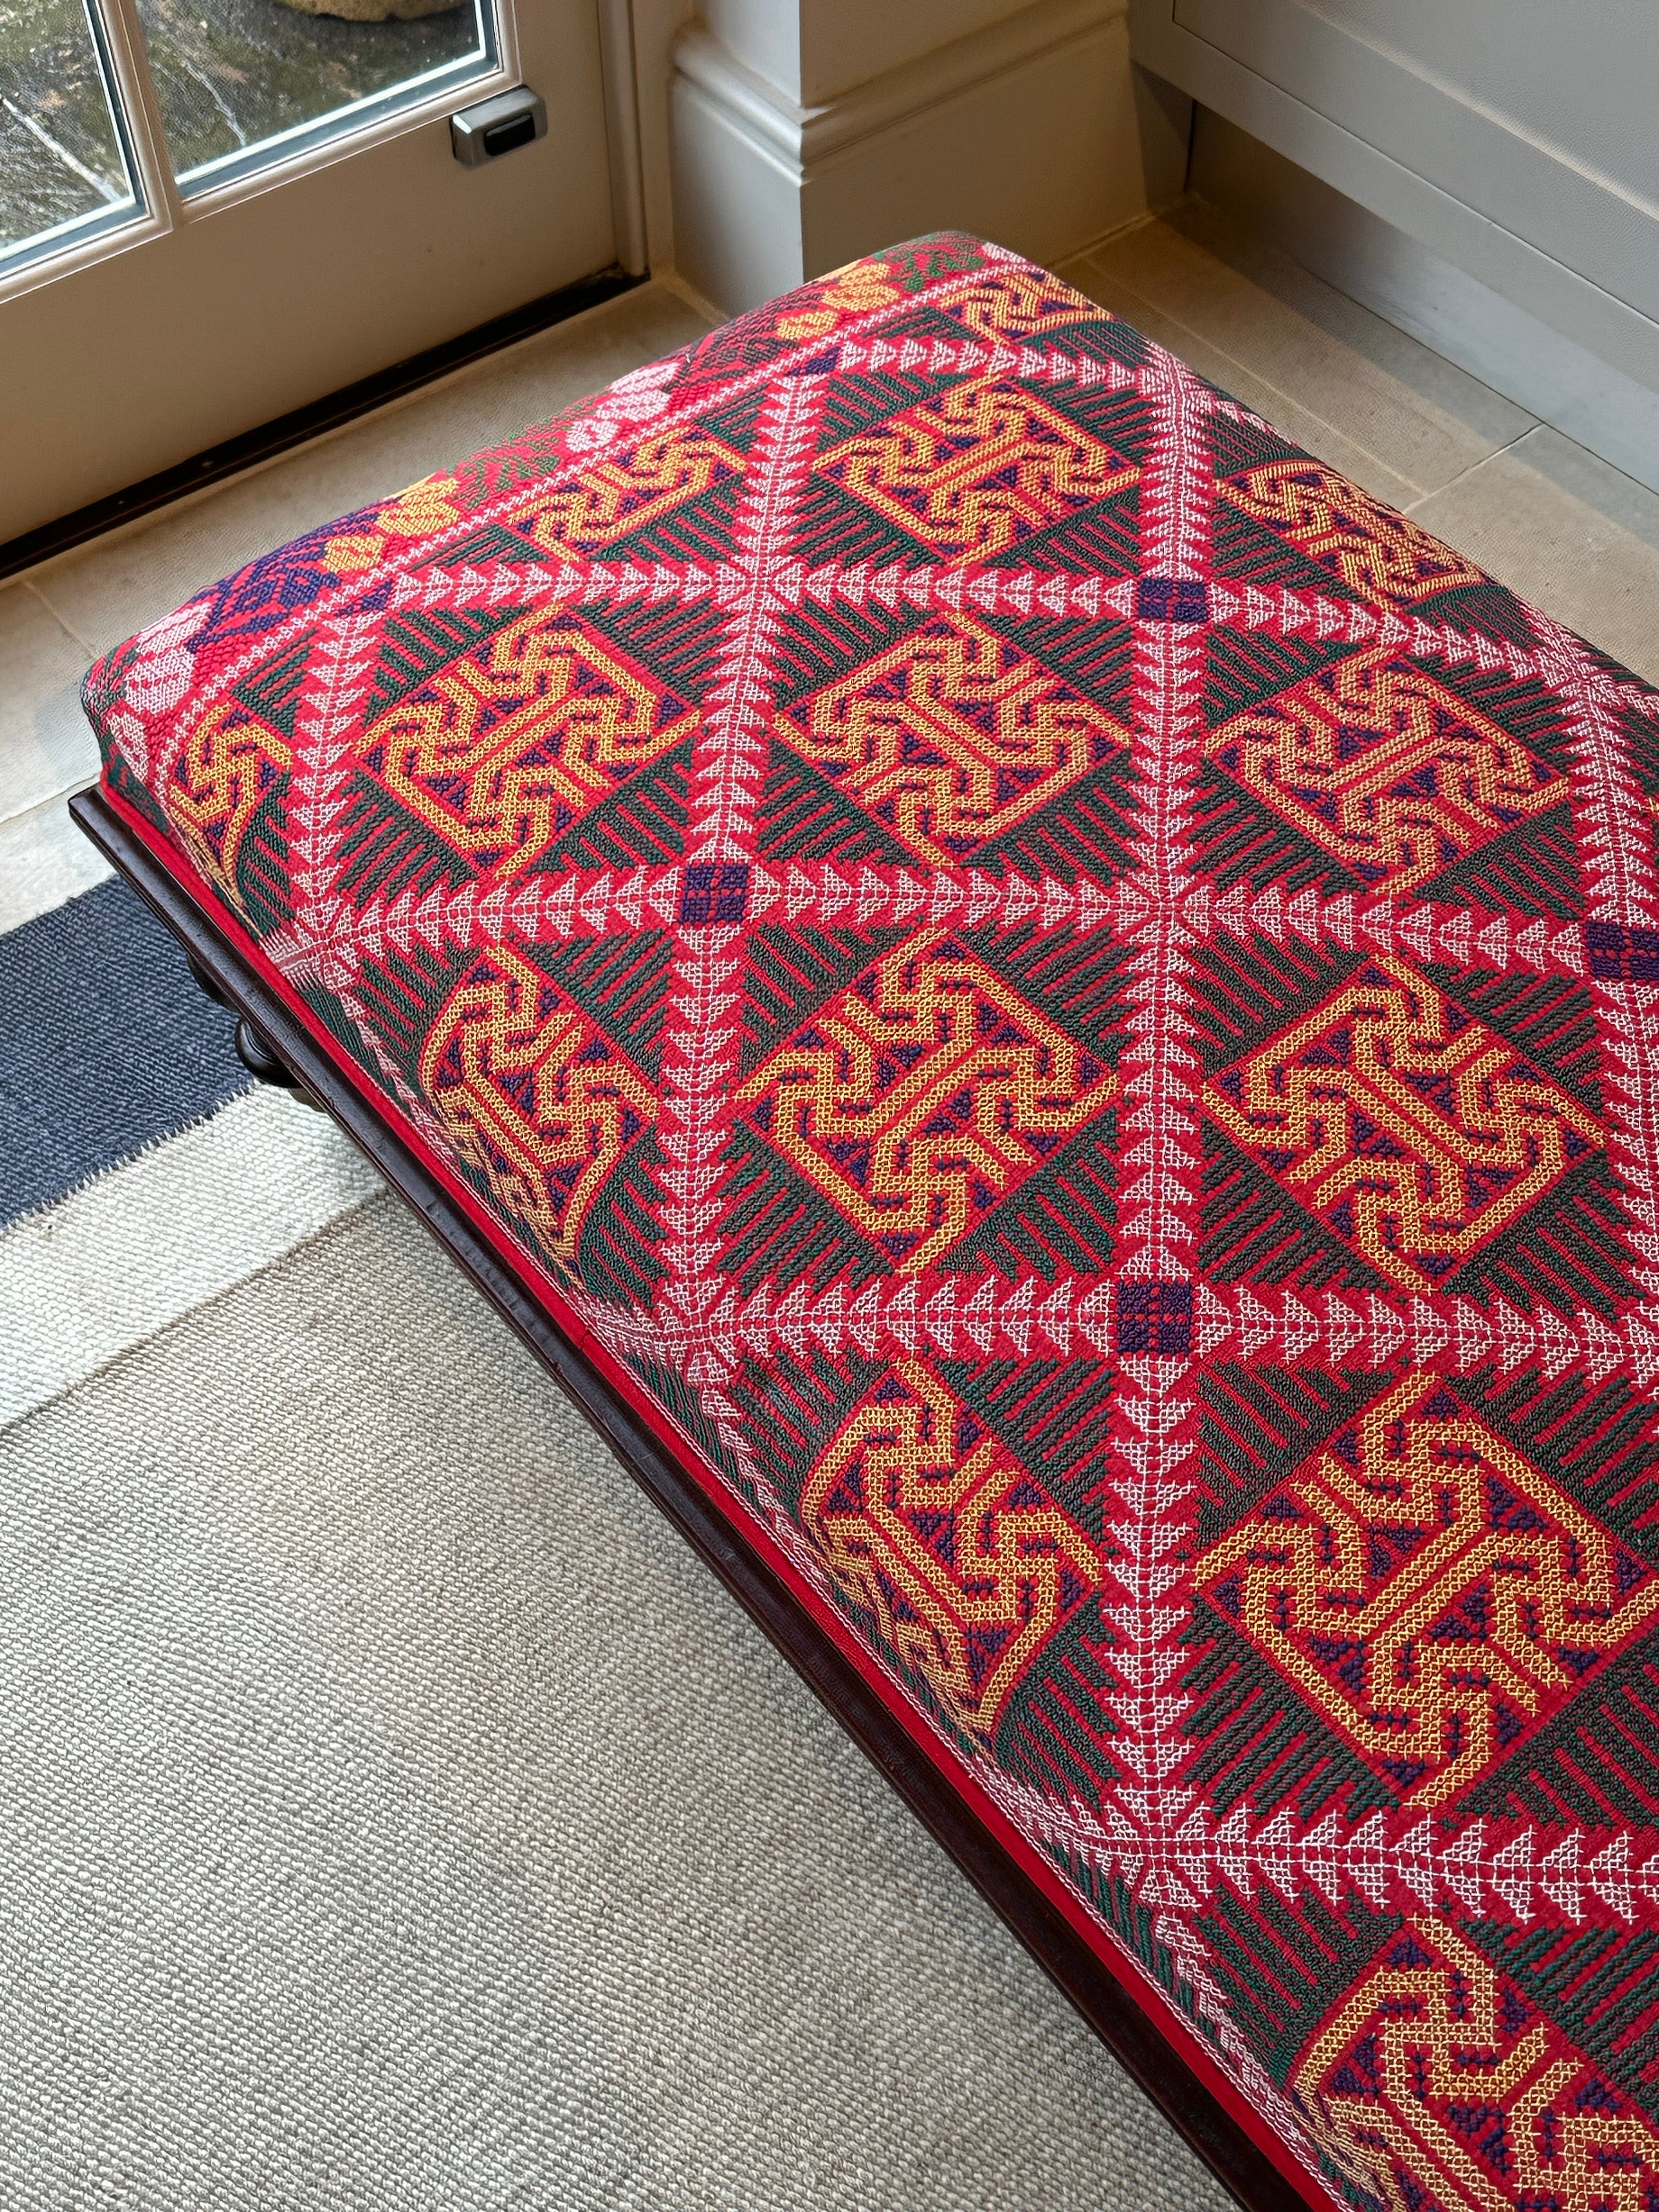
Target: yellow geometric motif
[855,289]
[1426,1588]
[1369,546]
[1385,768]
[1020,303]
[421,509]
[532,1095]
[921,1094]
[1427,2039]
[965,1563]
[425,508]
[951,737]
[503,748]
[225,765]
[622,490]
[978,469]
[1406,1126]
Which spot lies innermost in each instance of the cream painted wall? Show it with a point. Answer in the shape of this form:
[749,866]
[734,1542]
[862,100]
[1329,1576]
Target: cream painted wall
[764,39]
[814,51]
[803,133]
[842,45]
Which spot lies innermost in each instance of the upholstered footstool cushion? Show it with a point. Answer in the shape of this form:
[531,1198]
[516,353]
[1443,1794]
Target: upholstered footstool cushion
[1064,1003]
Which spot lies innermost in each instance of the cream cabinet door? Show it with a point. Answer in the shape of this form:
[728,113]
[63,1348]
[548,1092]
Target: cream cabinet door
[1513,137]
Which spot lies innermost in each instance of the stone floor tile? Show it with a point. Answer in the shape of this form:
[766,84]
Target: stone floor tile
[1567,531]
[1422,419]
[1288,415]
[45,746]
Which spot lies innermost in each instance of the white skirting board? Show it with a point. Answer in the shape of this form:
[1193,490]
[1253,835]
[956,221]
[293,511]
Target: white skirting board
[1027,130]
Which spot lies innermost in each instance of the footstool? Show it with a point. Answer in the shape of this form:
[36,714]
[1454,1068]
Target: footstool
[1049,1015]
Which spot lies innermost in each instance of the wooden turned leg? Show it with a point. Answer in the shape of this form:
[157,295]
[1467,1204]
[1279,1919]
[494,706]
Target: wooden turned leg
[257,1056]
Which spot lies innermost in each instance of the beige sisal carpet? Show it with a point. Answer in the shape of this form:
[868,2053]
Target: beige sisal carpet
[393,1814]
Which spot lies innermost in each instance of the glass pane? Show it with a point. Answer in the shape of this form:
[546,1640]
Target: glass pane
[63,171]
[245,82]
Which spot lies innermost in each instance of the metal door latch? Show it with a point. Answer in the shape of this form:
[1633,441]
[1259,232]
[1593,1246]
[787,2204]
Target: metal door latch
[495,126]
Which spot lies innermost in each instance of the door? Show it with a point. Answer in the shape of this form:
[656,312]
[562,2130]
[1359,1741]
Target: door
[212,211]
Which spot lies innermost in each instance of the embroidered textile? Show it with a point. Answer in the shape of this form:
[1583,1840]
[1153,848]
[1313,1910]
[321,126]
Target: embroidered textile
[1078,1002]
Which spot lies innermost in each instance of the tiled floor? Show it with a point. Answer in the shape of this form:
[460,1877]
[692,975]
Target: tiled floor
[1538,511]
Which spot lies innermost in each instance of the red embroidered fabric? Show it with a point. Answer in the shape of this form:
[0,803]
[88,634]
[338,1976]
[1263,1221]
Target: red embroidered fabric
[1073,999]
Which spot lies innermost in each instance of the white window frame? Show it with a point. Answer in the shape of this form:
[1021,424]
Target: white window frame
[141,129]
